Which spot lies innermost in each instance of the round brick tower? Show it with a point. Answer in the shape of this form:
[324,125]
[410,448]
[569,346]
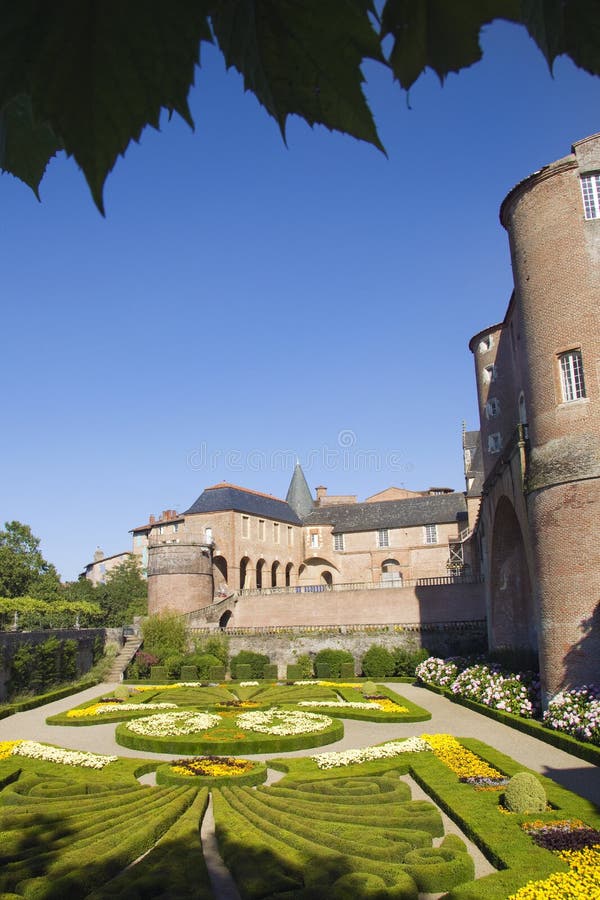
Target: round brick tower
[179,577]
[553,222]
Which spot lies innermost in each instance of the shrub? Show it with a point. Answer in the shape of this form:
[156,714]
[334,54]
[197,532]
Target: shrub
[406,660]
[217,673]
[164,635]
[173,665]
[143,662]
[243,671]
[347,670]
[332,659]
[270,672]
[214,646]
[294,672]
[304,663]
[158,673]
[189,673]
[378,662]
[256,662]
[204,663]
[576,712]
[525,794]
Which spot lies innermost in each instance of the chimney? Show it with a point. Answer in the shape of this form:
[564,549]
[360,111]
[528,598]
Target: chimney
[321,492]
[151,520]
[98,555]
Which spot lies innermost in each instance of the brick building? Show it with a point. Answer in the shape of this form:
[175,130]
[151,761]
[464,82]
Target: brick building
[539,402]
[236,540]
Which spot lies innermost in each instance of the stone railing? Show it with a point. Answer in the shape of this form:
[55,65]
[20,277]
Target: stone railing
[461,625]
[440,581]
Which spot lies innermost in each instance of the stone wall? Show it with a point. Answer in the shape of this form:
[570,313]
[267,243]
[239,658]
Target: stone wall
[11,641]
[285,647]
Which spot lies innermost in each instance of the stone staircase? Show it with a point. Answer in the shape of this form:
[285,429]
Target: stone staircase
[124,657]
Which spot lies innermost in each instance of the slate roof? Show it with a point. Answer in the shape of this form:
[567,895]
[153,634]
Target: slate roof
[299,496]
[472,442]
[390,513]
[230,496]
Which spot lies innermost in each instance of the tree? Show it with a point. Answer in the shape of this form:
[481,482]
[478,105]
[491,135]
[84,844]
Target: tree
[124,595]
[23,569]
[86,76]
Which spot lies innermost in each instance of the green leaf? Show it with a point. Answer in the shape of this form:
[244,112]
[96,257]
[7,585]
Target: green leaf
[25,148]
[565,26]
[440,34]
[99,71]
[303,57]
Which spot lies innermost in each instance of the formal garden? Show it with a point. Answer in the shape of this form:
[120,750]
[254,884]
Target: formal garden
[210,733]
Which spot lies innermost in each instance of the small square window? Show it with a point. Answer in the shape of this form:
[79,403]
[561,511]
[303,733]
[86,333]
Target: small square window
[383,537]
[590,189]
[571,376]
[431,534]
[338,542]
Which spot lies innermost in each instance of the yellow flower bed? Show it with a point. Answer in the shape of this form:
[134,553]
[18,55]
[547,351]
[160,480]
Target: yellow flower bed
[462,762]
[581,882]
[390,706]
[6,748]
[214,767]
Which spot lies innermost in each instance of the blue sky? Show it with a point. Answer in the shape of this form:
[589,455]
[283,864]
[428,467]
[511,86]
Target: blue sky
[243,302]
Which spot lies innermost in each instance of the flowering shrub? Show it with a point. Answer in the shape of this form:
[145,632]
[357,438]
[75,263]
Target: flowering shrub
[33,750]
[514,693]
[248,683]
[576,712]
[366,754]
[173,724]
[581,881]
[283,721]
[462,762]
[101,708]
[435,671]
[487,685]
[212,766]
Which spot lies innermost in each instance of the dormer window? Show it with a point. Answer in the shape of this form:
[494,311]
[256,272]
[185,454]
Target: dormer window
[571,376]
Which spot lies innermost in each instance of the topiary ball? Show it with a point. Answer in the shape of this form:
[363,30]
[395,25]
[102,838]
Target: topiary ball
[525,794]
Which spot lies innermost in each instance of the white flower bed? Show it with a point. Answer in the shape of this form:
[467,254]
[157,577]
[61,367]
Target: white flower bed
[340,704]
[33,750]
[119,707]
[173,724]
[311,683]
[366,754]
[248,683]
[283,721]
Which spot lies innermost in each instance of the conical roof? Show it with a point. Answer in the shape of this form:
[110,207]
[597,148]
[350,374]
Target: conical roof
[298,495]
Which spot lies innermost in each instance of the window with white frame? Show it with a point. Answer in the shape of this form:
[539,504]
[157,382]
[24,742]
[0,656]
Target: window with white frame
[383,537]
[245,526]
[571,376]
[431,534]
[590,189]
[495,442]
[485,344]
[338,542]
[314,540]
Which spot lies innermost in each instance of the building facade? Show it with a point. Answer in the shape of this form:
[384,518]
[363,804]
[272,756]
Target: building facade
[539,402]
